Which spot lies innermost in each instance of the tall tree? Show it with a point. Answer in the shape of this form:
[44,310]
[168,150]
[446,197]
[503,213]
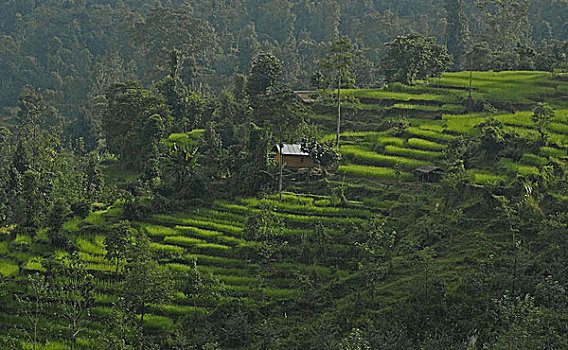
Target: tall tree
[265,73]
[506,22]
[412,57]
[457,30]
[131,112]
[281,113]
[336,67]
[146,282]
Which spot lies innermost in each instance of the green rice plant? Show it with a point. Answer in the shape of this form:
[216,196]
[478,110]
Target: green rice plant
[90,247]
[413,153]
[212,246]
[183,241]
[155,322]
[518,119]
[217,270]
[374,172]
[278,293]
[379,204]
[510,165]
[86,257]
[533,159]
[8,268]
[401,96]
[213,260]
[304,219]
[558,128]
[553,152]
[371,158]
[166,248]
[101,267]
[72,225]
[425,144]
[232,241]
[194,231]
[391,141]
[308,208]
[486,177]
[177,310]
[428,134]
[157,230]
[186,219]
[237,280]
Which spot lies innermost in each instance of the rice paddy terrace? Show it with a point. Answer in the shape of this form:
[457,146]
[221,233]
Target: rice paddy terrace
[375,146]
[376,150]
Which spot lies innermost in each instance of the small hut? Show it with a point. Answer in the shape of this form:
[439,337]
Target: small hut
[293,156]
[429,173]
[305,96]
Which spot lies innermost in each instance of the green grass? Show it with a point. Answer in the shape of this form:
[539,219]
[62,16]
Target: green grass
[373,172]
[412,153]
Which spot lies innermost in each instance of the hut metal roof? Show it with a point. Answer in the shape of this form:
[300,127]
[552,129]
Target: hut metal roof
[291,150]
[426,169]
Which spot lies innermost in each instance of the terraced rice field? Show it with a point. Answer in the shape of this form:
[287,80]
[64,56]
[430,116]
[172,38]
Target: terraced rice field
[215,239]
[387,156]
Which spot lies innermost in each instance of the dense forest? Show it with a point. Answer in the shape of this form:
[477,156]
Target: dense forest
[145,203]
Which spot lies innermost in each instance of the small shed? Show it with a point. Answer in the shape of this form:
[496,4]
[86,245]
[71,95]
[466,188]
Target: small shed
[305,96]
[428,173]
[293,156]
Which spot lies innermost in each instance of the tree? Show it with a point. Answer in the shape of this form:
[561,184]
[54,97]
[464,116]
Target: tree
[74,289]
[506,23]
[541,117]
[132,122]
[117,242]
[457,30]
[281,113]
[414,57]
[146,282]
[32,306]
[265,73]
[336,68]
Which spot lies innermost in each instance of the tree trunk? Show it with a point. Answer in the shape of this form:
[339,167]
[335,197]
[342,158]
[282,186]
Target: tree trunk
[281,166]
[338,111]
